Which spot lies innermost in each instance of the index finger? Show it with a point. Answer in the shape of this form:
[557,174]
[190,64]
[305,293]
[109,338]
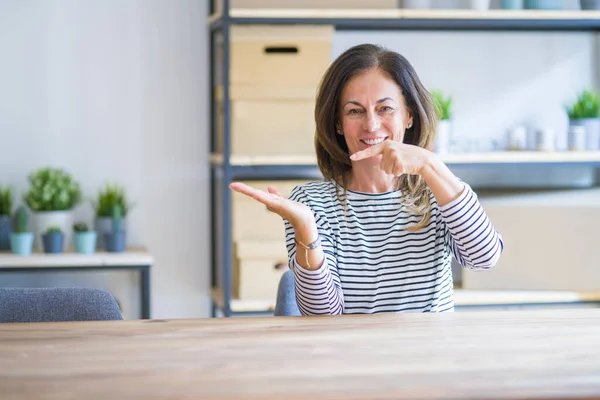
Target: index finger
[368,152]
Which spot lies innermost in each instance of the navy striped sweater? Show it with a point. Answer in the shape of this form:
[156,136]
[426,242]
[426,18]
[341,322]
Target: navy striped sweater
[373,264]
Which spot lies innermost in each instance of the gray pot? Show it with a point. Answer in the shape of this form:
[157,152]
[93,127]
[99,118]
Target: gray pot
[592,129]
[5,231]
[590,4]
[103,225]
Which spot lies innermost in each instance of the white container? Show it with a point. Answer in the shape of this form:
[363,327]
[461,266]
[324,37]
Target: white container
[480,5]
[545,139]
[577,138]
[517,138]
[43,220]
[441,144]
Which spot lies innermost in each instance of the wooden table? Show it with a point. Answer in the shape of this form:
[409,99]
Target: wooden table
[501,354]
[134,258]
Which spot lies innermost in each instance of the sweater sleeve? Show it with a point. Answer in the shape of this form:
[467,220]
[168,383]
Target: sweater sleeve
[473,239]
[318,292]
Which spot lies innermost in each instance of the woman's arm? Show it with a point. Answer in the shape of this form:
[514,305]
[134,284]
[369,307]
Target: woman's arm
[474,241]
[318,287]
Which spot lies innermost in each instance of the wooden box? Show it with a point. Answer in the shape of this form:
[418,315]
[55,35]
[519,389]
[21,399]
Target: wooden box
[284,56]
[267,122]
[547,246]
[257,269]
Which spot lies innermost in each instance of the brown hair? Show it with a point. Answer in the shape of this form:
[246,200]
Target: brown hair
[332,152]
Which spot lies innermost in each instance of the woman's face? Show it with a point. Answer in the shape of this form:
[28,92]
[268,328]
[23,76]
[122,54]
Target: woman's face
[372,110]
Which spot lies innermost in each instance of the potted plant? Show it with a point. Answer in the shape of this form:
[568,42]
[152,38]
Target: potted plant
[5,221]
[585,112]
[52,195]
[115,240]
[85,239]
[21,240]
[112,195]
[53,240]
[443,133]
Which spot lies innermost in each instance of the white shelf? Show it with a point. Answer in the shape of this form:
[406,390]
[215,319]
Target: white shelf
[413,14]
[133,256]
[499,157]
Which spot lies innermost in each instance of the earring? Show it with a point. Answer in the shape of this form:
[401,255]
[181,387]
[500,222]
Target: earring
[408,126]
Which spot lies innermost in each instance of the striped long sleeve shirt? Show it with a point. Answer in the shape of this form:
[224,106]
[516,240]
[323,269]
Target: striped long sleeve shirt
[373,264]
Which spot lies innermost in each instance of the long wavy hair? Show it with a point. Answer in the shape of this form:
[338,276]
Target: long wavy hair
[331,149]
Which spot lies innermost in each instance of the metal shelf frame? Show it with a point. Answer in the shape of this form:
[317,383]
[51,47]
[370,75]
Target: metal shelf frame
[223,173]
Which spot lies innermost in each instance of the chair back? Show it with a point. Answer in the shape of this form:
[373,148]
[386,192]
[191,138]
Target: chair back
[286,296]
[57,304]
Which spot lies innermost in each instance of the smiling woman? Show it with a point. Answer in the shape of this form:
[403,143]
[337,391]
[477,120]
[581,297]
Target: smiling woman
[379,232]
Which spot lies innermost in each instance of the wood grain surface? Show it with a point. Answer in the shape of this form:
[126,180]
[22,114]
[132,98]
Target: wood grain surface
[502,354]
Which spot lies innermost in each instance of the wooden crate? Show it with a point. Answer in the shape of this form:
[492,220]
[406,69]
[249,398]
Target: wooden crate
[255,269]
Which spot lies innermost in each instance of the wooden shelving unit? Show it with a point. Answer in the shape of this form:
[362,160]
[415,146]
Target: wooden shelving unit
[226,167]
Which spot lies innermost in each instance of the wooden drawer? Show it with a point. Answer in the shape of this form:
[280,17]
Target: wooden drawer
[281,56]
[257,269]
[250,218]
[269,121]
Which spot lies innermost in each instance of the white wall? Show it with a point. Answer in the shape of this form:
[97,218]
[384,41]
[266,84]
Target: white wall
[116,90]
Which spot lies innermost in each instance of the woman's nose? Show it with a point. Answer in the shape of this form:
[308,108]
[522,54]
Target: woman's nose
[372,124]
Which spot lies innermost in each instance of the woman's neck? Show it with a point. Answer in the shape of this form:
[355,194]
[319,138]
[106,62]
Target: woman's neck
[371,180]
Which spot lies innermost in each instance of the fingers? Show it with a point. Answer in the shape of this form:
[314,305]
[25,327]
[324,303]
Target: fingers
[274,191]
[263,197]
[369,152]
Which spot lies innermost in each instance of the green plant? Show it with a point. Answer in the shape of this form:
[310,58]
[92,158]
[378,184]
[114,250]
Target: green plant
[5,200]
[52,189]
[442,104]
[53,229]
[586,106]
[116,219]
[109,197]
[21,220]
[80,227]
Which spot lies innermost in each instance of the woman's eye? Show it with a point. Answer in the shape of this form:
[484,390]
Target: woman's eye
[354,111]
[386,109]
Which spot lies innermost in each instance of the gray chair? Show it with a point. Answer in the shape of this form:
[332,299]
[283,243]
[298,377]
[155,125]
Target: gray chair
[57,304]
[285,304]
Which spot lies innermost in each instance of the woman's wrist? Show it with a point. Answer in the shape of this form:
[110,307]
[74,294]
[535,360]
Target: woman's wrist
[444,185]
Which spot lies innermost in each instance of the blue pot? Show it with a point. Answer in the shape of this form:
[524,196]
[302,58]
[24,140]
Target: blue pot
[53,242]
[21,243]
[5,231]
[590,4]
[85,242]
[544,4]
[114,243]
[511,4]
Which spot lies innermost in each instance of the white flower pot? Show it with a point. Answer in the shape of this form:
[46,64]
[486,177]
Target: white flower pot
[441,144]
[480,5]
[416,4]
[42,220]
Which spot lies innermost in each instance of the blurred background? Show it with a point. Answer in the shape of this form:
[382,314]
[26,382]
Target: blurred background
[117,93]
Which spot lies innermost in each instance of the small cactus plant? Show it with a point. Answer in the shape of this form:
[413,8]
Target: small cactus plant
[80,227]
[53,229]
[21,220]
[116,219]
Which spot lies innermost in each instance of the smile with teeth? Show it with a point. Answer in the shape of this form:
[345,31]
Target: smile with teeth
[373,141]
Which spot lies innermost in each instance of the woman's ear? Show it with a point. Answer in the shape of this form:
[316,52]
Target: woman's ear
[338,129]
